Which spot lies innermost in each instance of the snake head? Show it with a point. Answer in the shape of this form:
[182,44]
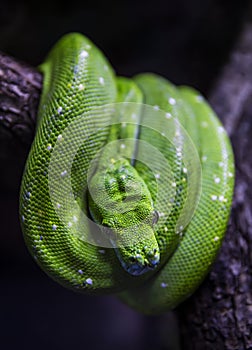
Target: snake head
[120,201]
[143,255]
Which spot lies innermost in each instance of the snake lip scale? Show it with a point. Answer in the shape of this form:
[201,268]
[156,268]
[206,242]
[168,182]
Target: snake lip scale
[155,183]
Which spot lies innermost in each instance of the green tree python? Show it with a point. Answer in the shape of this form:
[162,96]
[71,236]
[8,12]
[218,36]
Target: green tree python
[128,185]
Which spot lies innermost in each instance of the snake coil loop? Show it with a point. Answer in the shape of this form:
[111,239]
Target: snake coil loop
[128,185]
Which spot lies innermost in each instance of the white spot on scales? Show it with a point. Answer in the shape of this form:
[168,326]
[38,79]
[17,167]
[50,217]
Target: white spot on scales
[101,81]
[221,198]
[172,101]
[217,180]
[83,54]
[220,129]
[199,98]
[63,173]
[163,285]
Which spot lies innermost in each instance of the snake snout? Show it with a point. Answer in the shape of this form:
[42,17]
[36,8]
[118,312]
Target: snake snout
[141,264]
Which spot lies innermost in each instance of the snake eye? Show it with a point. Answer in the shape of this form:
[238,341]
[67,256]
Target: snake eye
[155,217]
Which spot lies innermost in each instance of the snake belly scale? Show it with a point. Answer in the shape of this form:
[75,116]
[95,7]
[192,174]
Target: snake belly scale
[164,268]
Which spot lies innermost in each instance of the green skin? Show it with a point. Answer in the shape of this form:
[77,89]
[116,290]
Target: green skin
[144,254]
[163,268]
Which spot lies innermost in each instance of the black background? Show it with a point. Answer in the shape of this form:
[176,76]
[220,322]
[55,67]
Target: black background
[185,41]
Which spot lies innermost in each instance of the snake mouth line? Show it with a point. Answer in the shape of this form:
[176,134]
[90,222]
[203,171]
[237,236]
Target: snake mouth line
[137,269]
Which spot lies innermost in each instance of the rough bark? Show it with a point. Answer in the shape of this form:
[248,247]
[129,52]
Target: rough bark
[219,315]
[20,87]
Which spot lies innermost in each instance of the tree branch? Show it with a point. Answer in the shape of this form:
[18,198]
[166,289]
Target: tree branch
[20,87]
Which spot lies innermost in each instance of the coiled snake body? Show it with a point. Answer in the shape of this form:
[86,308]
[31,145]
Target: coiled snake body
[154,263]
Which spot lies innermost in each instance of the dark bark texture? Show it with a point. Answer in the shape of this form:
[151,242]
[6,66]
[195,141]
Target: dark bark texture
[20,87]
[219,315]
